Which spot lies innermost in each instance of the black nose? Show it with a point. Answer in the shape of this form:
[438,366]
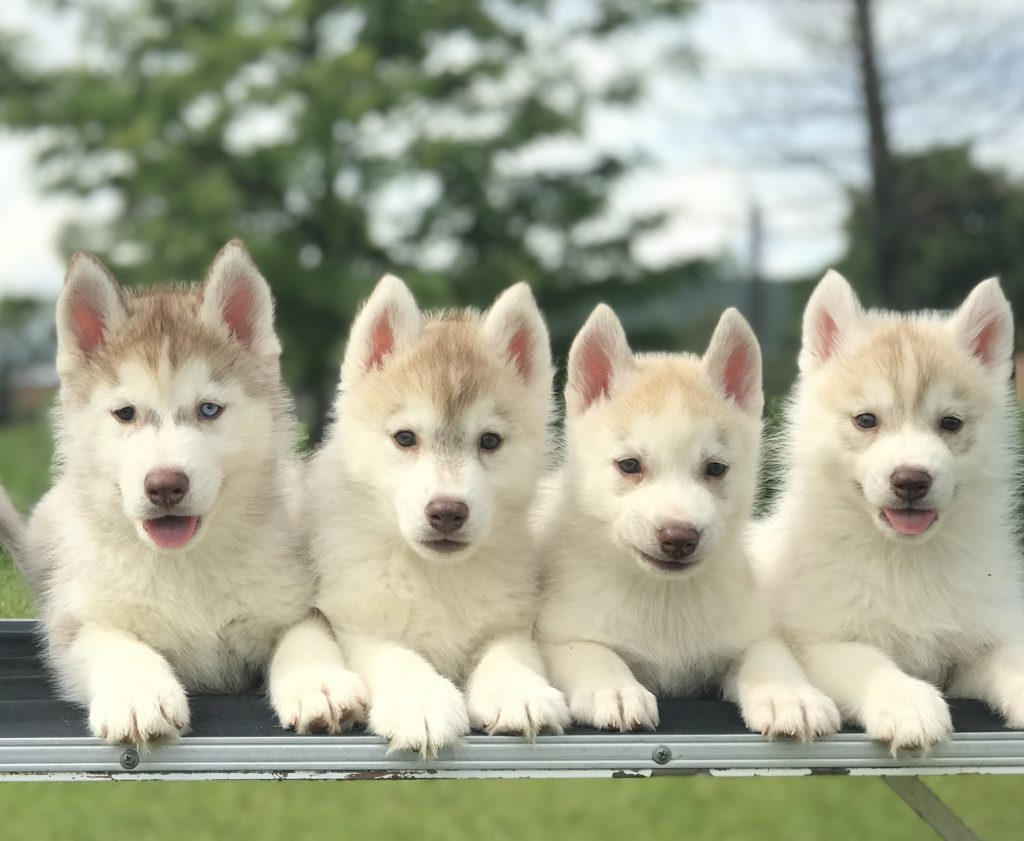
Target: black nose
[678,540]
[166,488]
[447,515]
[910,483]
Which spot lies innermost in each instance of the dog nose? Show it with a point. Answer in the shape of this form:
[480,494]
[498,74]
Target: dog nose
[447,515]
[166,488]
[678,540]
[910,483]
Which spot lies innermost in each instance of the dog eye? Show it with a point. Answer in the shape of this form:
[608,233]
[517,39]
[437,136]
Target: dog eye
[629,466]
[209,411]
[126,414]
[950,424]
[490,441]
[866,420]
[405,438]
[715,469]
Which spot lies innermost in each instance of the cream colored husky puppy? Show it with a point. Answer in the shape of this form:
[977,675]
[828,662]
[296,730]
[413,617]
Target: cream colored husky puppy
[165,558]
[649,592]
[418,506]
[891,553]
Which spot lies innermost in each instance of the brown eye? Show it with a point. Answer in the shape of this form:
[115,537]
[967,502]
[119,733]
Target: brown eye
[950,424]
[715,469]
[866,420]
[405,438]
[490,441]
[629,466]
[126,414]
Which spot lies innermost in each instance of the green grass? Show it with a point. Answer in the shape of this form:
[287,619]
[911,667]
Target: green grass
[697,808]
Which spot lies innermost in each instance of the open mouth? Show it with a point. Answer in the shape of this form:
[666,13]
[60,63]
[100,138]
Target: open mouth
[909,520]
[446,547]
[668,566]
[172,531]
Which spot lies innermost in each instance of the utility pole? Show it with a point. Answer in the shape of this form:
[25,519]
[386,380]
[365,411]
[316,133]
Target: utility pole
[756,268]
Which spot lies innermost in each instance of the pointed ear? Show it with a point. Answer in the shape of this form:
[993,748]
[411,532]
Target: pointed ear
[598,360]
[515,327]
[831,313]
[89,310]
[236,297]
[388,320]
[984,324]
[733,361]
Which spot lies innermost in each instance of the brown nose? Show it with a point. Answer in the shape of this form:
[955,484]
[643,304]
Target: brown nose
[910,483]
[166,488]
[678,540]
[447,515]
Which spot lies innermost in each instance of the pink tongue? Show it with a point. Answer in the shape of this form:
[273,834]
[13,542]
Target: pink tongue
[908,521]
[171,532]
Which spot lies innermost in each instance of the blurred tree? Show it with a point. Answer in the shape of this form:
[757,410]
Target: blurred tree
[962,224]
[27,345]
[437,139]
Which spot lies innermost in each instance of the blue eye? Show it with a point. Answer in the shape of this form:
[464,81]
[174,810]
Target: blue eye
[125,414]
[405,438]
[209,411]
[715,469]
[629,466]
[866,420]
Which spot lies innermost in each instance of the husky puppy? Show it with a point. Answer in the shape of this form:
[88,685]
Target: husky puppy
[649,592]
[890,554]
[418,505]
[166,556]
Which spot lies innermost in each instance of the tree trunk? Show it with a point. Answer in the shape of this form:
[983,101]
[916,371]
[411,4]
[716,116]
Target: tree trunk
[887,217]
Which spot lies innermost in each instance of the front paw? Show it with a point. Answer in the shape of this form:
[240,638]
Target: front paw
[800,711]
[906,713]
[528,706]
[425,717]
[1012,707]
[152,709]
[319,699]
[624,708]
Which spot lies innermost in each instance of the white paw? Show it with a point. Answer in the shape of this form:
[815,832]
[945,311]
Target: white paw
[527,705]
[906,713]
[800,711]
[152,709]
[319,699]
[626,707]
[424,717]
[1012,707]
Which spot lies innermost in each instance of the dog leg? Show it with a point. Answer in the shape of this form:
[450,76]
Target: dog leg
[600,688]
[310,688]
[775,697]
[870,689]
[996,678]
[133,694]
[508,692]
[411,705]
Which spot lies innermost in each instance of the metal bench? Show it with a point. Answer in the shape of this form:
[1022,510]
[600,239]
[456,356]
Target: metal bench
[236,737]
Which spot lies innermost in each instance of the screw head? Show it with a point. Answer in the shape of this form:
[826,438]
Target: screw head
[662,754]
[130,759]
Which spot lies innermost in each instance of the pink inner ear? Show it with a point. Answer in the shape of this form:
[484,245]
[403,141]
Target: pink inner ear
[828,333]
[595,373]
[237,310]
[984,343]
[87,323]
[734,375]
[519,352]
[382,341]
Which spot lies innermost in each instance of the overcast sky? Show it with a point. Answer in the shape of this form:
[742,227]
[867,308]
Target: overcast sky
[715,157]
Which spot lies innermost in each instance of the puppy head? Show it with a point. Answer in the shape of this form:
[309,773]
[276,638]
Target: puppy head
[663,449]
[898,414]
[166,393]
[444,417]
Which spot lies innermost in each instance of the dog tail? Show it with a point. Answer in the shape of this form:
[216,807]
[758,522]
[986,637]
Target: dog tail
[12,530]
